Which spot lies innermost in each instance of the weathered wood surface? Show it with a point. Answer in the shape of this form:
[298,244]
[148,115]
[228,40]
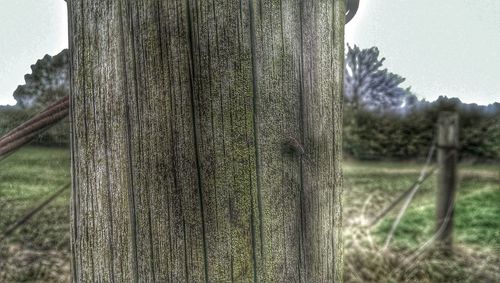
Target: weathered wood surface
[448,143]
[206,140]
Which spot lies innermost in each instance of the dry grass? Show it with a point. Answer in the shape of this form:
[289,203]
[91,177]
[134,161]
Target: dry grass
[18,264]
[39,251]
[371,264]
[366,260]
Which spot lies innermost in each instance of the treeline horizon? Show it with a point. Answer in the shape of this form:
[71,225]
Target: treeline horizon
[382,120]
[409,132]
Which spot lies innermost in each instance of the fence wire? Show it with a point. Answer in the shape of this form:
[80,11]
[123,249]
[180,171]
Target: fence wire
[24,134]
[33,211]
[29,130]
[409,198]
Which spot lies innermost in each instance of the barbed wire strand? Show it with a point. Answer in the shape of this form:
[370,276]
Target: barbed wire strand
[48,116]
[403,196]
[27,216]
[411,261]
[22,135]
[57,105]
[410,196]
[29,130]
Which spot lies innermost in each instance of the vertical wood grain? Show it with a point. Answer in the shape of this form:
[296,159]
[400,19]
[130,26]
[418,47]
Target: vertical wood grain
[206,140]
[448,143]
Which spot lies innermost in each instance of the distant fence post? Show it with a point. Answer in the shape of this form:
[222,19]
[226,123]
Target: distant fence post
[447,142]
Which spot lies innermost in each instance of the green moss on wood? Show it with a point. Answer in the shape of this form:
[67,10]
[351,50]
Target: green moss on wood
[181,110]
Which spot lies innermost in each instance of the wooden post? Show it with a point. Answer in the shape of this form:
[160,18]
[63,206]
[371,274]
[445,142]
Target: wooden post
[447,178]
[181,112]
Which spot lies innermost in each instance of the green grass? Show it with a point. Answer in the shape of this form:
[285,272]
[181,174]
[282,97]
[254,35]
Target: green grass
[371,186]
[477,201]
[27,178]
[40,249]
[477,209]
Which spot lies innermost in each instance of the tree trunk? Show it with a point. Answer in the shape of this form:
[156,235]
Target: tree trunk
[206,140]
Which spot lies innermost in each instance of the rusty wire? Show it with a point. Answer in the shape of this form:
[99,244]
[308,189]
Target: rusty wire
[29,130]
[25,133]
[31,212]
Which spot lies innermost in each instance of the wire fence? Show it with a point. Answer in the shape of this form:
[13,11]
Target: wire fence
[29,130]
[23,135]
[54,113]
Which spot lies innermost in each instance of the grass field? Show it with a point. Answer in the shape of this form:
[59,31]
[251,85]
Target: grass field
[39,250]
[370,186]
[477,206]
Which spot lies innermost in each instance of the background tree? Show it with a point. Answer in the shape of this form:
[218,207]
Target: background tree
[369,86]
[48,81]
[408,134]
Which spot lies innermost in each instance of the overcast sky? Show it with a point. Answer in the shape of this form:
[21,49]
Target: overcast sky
[29,29]
[445,47]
